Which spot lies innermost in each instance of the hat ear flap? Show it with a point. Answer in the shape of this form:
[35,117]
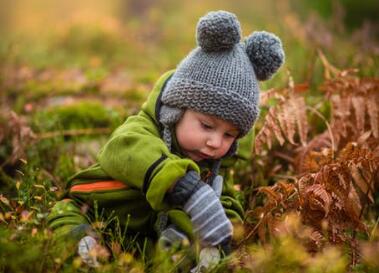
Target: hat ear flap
[265,52]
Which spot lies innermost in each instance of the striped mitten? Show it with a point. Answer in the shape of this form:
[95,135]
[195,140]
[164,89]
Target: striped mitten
[203,206]
[86,245]
[170,237]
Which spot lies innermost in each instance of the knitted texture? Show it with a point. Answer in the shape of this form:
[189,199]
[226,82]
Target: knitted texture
[265,53]
[85,246]
[217,185]
[185,187]
[171,236]
[218,31]
[169,116]
[208,217]
[218,77]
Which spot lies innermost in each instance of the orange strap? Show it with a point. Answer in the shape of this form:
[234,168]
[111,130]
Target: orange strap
[99,186]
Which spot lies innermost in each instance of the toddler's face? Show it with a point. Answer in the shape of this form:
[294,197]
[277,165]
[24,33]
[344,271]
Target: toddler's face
[202,136]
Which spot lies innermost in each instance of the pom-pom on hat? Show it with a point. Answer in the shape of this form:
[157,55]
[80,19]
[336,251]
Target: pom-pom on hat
[220,76]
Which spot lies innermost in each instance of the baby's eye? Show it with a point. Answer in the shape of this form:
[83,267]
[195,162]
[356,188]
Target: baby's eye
[206,125]
[228,135]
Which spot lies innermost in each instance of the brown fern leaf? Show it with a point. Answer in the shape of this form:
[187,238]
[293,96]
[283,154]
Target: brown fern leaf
[304,182]
[359,110]
[279,198]
[318,199]
[338,180]
[341,107]
[355,202]
[352,98]
[279,122]
[372,110]
[272,122]
[286,188]
[263,137]
[287,121]
[273,197]
[16,129]
[329,195]
[315,241]
[355,254]
[313,156]
[363,166]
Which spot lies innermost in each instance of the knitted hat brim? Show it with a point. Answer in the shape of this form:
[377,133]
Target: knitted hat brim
[209,99]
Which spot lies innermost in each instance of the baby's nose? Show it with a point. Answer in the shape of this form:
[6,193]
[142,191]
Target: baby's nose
[215,141]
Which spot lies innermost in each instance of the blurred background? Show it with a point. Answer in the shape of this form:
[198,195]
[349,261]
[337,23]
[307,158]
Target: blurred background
[74,65]
[141,39]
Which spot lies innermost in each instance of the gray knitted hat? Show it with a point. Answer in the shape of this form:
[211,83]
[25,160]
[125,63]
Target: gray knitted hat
[220,76]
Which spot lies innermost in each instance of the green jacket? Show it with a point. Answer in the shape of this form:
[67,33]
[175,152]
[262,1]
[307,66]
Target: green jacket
[129,182]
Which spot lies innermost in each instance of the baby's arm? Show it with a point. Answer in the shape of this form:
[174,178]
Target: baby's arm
[137,156]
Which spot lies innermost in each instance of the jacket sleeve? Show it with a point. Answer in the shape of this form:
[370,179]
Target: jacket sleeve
[66,219]
[137,156]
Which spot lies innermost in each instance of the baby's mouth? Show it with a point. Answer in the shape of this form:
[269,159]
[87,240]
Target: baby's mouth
[203,156]
[197,155]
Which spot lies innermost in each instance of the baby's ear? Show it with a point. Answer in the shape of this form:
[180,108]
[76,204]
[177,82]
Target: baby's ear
[265,52]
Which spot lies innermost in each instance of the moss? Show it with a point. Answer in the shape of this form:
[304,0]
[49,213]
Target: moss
[85,114]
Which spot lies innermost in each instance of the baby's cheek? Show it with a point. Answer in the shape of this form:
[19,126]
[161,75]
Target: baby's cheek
[223,151]
[226,149]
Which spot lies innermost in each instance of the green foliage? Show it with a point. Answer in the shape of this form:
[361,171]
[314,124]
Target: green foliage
[85,114]
[356,13]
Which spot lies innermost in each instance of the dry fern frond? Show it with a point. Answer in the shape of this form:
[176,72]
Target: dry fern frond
[315,241]
[285,119]
[316,198]
[329,200]
[16,133]
[372,110]
[353,99]
[363,165]
[279,198]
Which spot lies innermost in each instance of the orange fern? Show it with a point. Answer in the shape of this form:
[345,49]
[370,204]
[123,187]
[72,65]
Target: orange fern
[285,119]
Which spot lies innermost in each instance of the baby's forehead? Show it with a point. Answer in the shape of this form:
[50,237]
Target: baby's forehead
[215,119]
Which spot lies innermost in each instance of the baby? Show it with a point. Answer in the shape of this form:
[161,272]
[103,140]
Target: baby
[160,175]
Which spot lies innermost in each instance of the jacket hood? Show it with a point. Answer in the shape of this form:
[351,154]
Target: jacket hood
[153,102]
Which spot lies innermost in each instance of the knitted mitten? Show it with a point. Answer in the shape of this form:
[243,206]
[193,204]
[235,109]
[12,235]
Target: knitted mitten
[208,257]
[203,206]
[217,185]
[171,236]
[86,245]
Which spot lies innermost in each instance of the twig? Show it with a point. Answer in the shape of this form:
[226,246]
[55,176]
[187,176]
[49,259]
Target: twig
[328,67]
[317,113]
[284,156]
